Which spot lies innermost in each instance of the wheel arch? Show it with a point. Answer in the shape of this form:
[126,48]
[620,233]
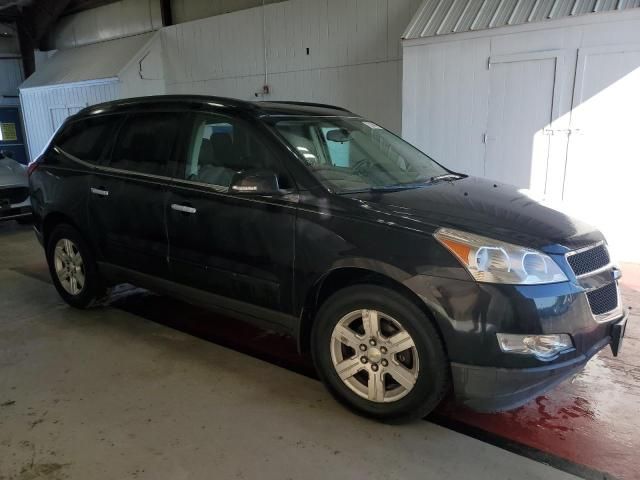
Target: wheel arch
[342,277]
[51,221]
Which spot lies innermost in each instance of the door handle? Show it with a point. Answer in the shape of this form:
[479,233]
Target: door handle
[100,191]
[183,208]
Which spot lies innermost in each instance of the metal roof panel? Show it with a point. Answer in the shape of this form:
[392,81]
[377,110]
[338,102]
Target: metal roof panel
[441,17]
[89,62]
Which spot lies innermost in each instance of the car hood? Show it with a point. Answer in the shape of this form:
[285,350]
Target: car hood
[486,208]
[12,173]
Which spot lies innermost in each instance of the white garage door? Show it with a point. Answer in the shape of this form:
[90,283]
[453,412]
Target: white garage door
[603,162]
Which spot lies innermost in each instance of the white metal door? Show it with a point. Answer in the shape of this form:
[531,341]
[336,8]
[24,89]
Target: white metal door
[523,100]
[603,161]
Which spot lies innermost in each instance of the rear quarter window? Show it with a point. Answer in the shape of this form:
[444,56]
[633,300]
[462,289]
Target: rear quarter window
[88,139]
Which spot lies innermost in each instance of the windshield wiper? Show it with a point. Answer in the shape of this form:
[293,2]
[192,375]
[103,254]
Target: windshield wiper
[395,188]
[421,182]
[448,177]
[388,188]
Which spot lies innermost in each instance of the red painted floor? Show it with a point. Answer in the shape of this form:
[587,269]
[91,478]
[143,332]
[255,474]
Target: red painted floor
[593,421]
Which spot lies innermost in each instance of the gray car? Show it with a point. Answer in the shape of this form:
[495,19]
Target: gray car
[14,190]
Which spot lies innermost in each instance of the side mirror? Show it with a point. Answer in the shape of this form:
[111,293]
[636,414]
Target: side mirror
[255,182]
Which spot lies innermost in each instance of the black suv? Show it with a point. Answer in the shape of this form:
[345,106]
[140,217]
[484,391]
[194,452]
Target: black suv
[400,276]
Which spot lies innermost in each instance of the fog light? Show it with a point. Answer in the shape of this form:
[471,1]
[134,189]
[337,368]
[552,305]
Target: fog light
[545,347]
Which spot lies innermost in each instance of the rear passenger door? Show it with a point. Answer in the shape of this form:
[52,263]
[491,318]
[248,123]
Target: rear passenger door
[238,246]
[128,194]
[76,150]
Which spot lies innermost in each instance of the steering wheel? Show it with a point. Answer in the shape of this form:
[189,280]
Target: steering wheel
[362,166]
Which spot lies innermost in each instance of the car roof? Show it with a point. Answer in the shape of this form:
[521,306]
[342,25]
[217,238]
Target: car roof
[257,108]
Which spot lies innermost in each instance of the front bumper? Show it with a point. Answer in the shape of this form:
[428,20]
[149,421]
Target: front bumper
[490,389]
[16,211]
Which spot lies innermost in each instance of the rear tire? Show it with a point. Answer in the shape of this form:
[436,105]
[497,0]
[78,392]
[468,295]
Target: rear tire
[398,374]
[73,268]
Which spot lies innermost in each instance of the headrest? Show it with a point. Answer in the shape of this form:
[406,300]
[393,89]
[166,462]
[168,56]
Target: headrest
[224,151]
[206,153]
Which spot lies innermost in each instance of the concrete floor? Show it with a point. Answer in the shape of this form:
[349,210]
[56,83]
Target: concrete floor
[107,394]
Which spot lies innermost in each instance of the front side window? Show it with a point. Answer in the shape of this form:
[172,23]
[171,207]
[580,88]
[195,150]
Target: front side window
[87,139]
[350,154]
[222,146]
[145,143]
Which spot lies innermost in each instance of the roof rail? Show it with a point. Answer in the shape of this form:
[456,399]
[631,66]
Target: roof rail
[309,104]
[124,102]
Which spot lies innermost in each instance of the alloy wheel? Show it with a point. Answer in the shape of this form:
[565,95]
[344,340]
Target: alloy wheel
[69,266]
[374,355]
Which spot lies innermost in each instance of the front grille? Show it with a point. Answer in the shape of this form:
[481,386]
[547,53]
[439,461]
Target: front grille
[603,299]
[589,260]
[14,194]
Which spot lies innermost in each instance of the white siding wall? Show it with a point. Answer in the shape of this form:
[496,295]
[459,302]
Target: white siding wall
[45,108]
[354,55]
[144,75]
[451,99]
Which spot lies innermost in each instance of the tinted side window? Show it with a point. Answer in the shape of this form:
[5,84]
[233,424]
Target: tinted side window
[87,139]
[221,146]
[145,143]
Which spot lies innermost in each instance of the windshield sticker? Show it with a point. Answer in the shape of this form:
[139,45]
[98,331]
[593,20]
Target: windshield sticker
[372,125]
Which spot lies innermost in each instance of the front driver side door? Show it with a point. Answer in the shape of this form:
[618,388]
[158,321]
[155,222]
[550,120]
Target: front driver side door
[238,247]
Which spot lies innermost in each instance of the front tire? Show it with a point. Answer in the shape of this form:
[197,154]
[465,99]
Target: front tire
[379,354]
[73,268]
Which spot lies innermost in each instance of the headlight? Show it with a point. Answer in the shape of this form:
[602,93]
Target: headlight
[545,347]
[493,261]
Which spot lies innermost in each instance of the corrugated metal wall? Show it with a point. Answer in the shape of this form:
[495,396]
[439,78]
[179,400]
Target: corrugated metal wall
[440,17]
[45,108]
[345,52]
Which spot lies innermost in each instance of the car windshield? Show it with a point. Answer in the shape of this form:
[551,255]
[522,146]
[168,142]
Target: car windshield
[351,154]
